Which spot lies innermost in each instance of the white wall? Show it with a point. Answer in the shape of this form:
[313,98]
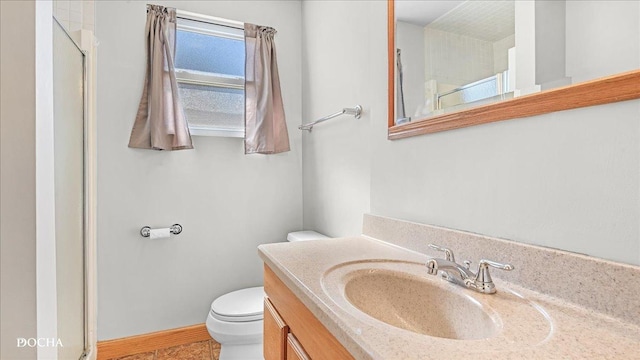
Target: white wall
[227,202]
[75,15]
[501,53]
[46,249]
[550,47]
[337,153]
[568,180]
[609,52]
[17,178]
[456,59]
[525,41]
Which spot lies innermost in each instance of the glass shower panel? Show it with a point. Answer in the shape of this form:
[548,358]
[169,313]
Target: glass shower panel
[68,106]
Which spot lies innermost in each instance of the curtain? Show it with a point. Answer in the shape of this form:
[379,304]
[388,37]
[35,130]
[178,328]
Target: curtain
[160,123]
[265,125]
[401,115]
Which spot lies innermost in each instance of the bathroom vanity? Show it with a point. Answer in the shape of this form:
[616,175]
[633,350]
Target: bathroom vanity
[288,324]
[364,298]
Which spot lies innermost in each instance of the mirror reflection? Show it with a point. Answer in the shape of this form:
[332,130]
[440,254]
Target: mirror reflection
[453,55]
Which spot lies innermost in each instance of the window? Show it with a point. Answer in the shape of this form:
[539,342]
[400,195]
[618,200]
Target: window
[210,73]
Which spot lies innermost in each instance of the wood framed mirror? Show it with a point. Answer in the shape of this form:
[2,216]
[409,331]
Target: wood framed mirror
[602,90]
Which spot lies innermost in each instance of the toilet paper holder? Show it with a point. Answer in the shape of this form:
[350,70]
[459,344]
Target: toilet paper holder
[175,230]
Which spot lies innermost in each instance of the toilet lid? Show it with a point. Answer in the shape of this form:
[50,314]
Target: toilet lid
[240,305]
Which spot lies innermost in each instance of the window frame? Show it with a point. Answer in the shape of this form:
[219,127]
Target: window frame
[184,76]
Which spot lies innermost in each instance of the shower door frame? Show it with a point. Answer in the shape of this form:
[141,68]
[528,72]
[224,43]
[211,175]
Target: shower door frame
[87,48]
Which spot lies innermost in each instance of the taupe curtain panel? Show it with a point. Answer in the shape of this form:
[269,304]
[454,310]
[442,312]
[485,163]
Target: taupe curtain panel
[265,125]
[160,123]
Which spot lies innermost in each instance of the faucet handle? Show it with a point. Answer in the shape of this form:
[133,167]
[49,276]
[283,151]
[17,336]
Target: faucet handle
[486,263]
[448,253]
[483,278]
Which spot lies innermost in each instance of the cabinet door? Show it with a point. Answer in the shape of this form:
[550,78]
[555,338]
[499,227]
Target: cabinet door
[318,342]
[275,333]
[295,350]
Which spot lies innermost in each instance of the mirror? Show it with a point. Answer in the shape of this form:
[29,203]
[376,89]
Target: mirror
[461,63]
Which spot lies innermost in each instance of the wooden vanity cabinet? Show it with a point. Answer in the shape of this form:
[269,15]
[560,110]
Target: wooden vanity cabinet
[291,331]
[275,333]
[295,350]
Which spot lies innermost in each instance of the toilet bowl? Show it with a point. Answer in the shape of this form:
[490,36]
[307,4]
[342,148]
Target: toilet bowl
[235,321]
[236,318]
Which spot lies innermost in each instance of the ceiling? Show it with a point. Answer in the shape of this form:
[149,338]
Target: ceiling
[423,12]
[485,20]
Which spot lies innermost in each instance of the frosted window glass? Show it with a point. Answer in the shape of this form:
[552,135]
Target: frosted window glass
[210,68]
[208,53]
[210,106]
[481,90]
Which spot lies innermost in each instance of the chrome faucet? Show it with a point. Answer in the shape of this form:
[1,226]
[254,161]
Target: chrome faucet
[462,275]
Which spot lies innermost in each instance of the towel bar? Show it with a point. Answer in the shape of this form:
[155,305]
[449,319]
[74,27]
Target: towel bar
[355,111]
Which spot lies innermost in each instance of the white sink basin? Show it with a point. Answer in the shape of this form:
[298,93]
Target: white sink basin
[402,295]
[419,305]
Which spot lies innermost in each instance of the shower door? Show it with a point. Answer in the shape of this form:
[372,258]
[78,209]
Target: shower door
[69,150]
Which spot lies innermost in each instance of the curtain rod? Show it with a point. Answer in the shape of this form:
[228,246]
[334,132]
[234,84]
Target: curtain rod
[209,19]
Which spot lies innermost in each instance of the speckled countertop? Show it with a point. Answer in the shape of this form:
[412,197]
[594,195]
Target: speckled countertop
[557,329]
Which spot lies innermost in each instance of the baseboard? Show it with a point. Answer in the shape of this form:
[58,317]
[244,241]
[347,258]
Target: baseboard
[131,345]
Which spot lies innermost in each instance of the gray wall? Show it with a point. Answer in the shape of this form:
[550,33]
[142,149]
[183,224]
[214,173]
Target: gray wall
[17,178]
[567,180]
[608,52]
[227,202]
[551,45]
[337,73]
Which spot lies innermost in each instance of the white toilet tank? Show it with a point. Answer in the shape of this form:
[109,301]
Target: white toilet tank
[236,319]
[305,235]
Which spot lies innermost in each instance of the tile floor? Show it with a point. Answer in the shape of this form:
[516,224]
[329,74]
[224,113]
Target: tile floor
[204,350]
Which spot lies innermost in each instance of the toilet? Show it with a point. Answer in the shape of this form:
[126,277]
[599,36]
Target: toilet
[235,319]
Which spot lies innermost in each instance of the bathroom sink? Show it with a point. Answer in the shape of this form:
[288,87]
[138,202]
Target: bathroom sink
[419,305]
[401,295]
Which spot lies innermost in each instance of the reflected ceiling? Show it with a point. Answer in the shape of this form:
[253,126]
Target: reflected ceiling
[423,13]
[485,20]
